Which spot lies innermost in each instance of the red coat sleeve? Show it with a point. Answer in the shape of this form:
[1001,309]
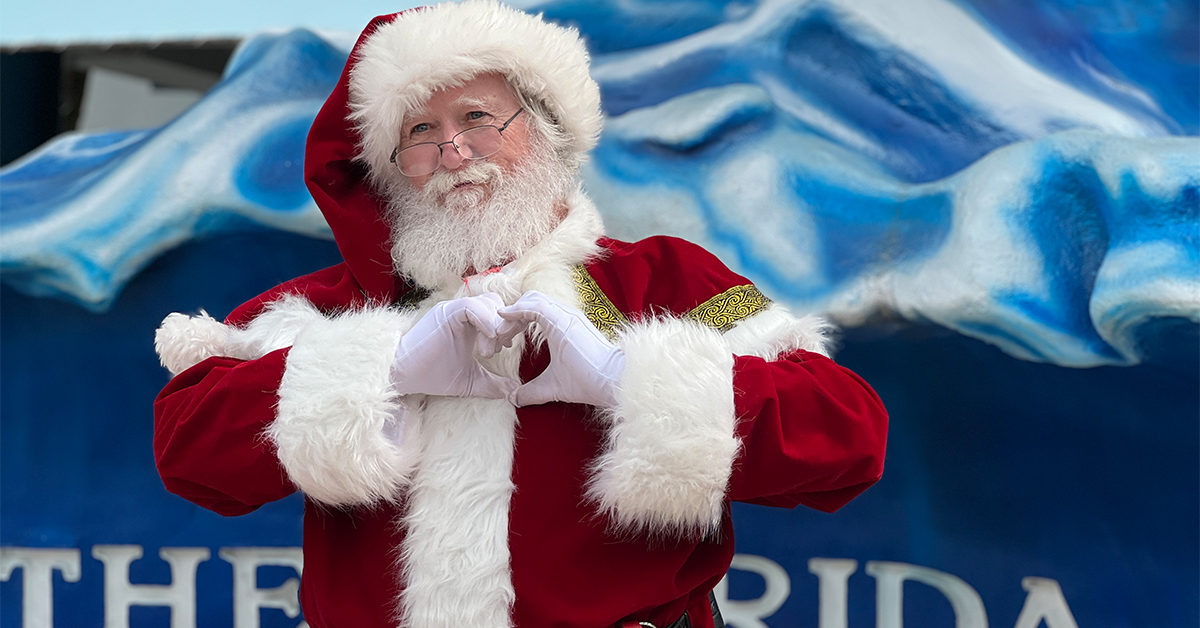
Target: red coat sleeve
[208,434]
[812,432]
[804,429]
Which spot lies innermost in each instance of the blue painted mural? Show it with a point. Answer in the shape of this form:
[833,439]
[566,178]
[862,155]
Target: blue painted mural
[1000,202]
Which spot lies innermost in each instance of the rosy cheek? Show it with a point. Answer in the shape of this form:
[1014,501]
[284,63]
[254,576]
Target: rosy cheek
[516,148]
[520,142]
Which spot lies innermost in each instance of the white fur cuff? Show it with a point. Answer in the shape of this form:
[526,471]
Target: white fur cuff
[672,441]
[341,431]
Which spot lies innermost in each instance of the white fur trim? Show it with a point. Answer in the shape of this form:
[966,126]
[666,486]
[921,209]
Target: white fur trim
[455,560]
[776,331]
[672,441]
[340,429]
[455,557]
[431,48]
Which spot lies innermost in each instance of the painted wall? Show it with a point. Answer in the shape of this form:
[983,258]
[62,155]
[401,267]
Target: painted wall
[999,201]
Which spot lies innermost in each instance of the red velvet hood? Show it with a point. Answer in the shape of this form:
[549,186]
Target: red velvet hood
[339,186]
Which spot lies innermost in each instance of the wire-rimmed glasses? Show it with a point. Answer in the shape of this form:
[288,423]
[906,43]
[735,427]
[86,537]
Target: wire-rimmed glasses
[477,142]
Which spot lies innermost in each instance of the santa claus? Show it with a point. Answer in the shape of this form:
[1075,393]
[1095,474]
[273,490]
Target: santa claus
[497,415]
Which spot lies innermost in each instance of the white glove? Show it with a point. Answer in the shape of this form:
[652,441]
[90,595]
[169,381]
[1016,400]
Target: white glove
[584,365]
[437,356]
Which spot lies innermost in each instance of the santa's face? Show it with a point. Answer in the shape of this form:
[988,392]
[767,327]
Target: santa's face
[484,100]
[469,216]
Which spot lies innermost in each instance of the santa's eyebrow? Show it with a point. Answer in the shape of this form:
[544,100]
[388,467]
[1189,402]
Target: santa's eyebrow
[471,101]
[410,118]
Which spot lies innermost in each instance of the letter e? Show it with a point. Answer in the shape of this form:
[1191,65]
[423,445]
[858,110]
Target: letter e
[247,597]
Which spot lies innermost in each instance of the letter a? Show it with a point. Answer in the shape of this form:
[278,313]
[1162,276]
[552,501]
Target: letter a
[1044,602]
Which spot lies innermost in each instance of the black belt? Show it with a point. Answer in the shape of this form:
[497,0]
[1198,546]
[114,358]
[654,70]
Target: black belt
[684,622]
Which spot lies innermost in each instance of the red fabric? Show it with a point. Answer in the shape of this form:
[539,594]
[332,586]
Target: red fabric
[833,450]
[207,413]
[330,289]
[813,434]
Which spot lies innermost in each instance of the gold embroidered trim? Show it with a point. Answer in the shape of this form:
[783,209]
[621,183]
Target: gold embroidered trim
[729,308]
[596,305]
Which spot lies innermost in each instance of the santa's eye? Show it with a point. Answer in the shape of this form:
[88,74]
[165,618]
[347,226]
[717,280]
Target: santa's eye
[419,128]
[476,115]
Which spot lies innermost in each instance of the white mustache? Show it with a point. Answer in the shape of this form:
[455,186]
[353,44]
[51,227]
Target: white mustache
[442,183]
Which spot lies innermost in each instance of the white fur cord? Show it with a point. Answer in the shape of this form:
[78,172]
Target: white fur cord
[183,341]
[776,331]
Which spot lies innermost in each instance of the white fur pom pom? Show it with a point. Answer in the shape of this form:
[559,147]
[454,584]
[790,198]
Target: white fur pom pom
[183,341]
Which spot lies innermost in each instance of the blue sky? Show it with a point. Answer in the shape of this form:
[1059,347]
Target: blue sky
[77,21]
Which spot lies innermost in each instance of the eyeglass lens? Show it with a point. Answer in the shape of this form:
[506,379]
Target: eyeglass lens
[476,143]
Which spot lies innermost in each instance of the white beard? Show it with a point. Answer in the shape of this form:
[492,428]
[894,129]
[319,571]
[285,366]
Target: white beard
[439,234]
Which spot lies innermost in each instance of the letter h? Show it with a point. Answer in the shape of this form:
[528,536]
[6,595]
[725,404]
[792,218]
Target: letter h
[119,594]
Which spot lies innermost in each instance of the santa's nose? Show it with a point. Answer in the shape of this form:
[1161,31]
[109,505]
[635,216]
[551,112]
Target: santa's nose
[451,159]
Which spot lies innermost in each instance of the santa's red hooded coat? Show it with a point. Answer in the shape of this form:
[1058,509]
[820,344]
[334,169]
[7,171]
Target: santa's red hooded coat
[448,512]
